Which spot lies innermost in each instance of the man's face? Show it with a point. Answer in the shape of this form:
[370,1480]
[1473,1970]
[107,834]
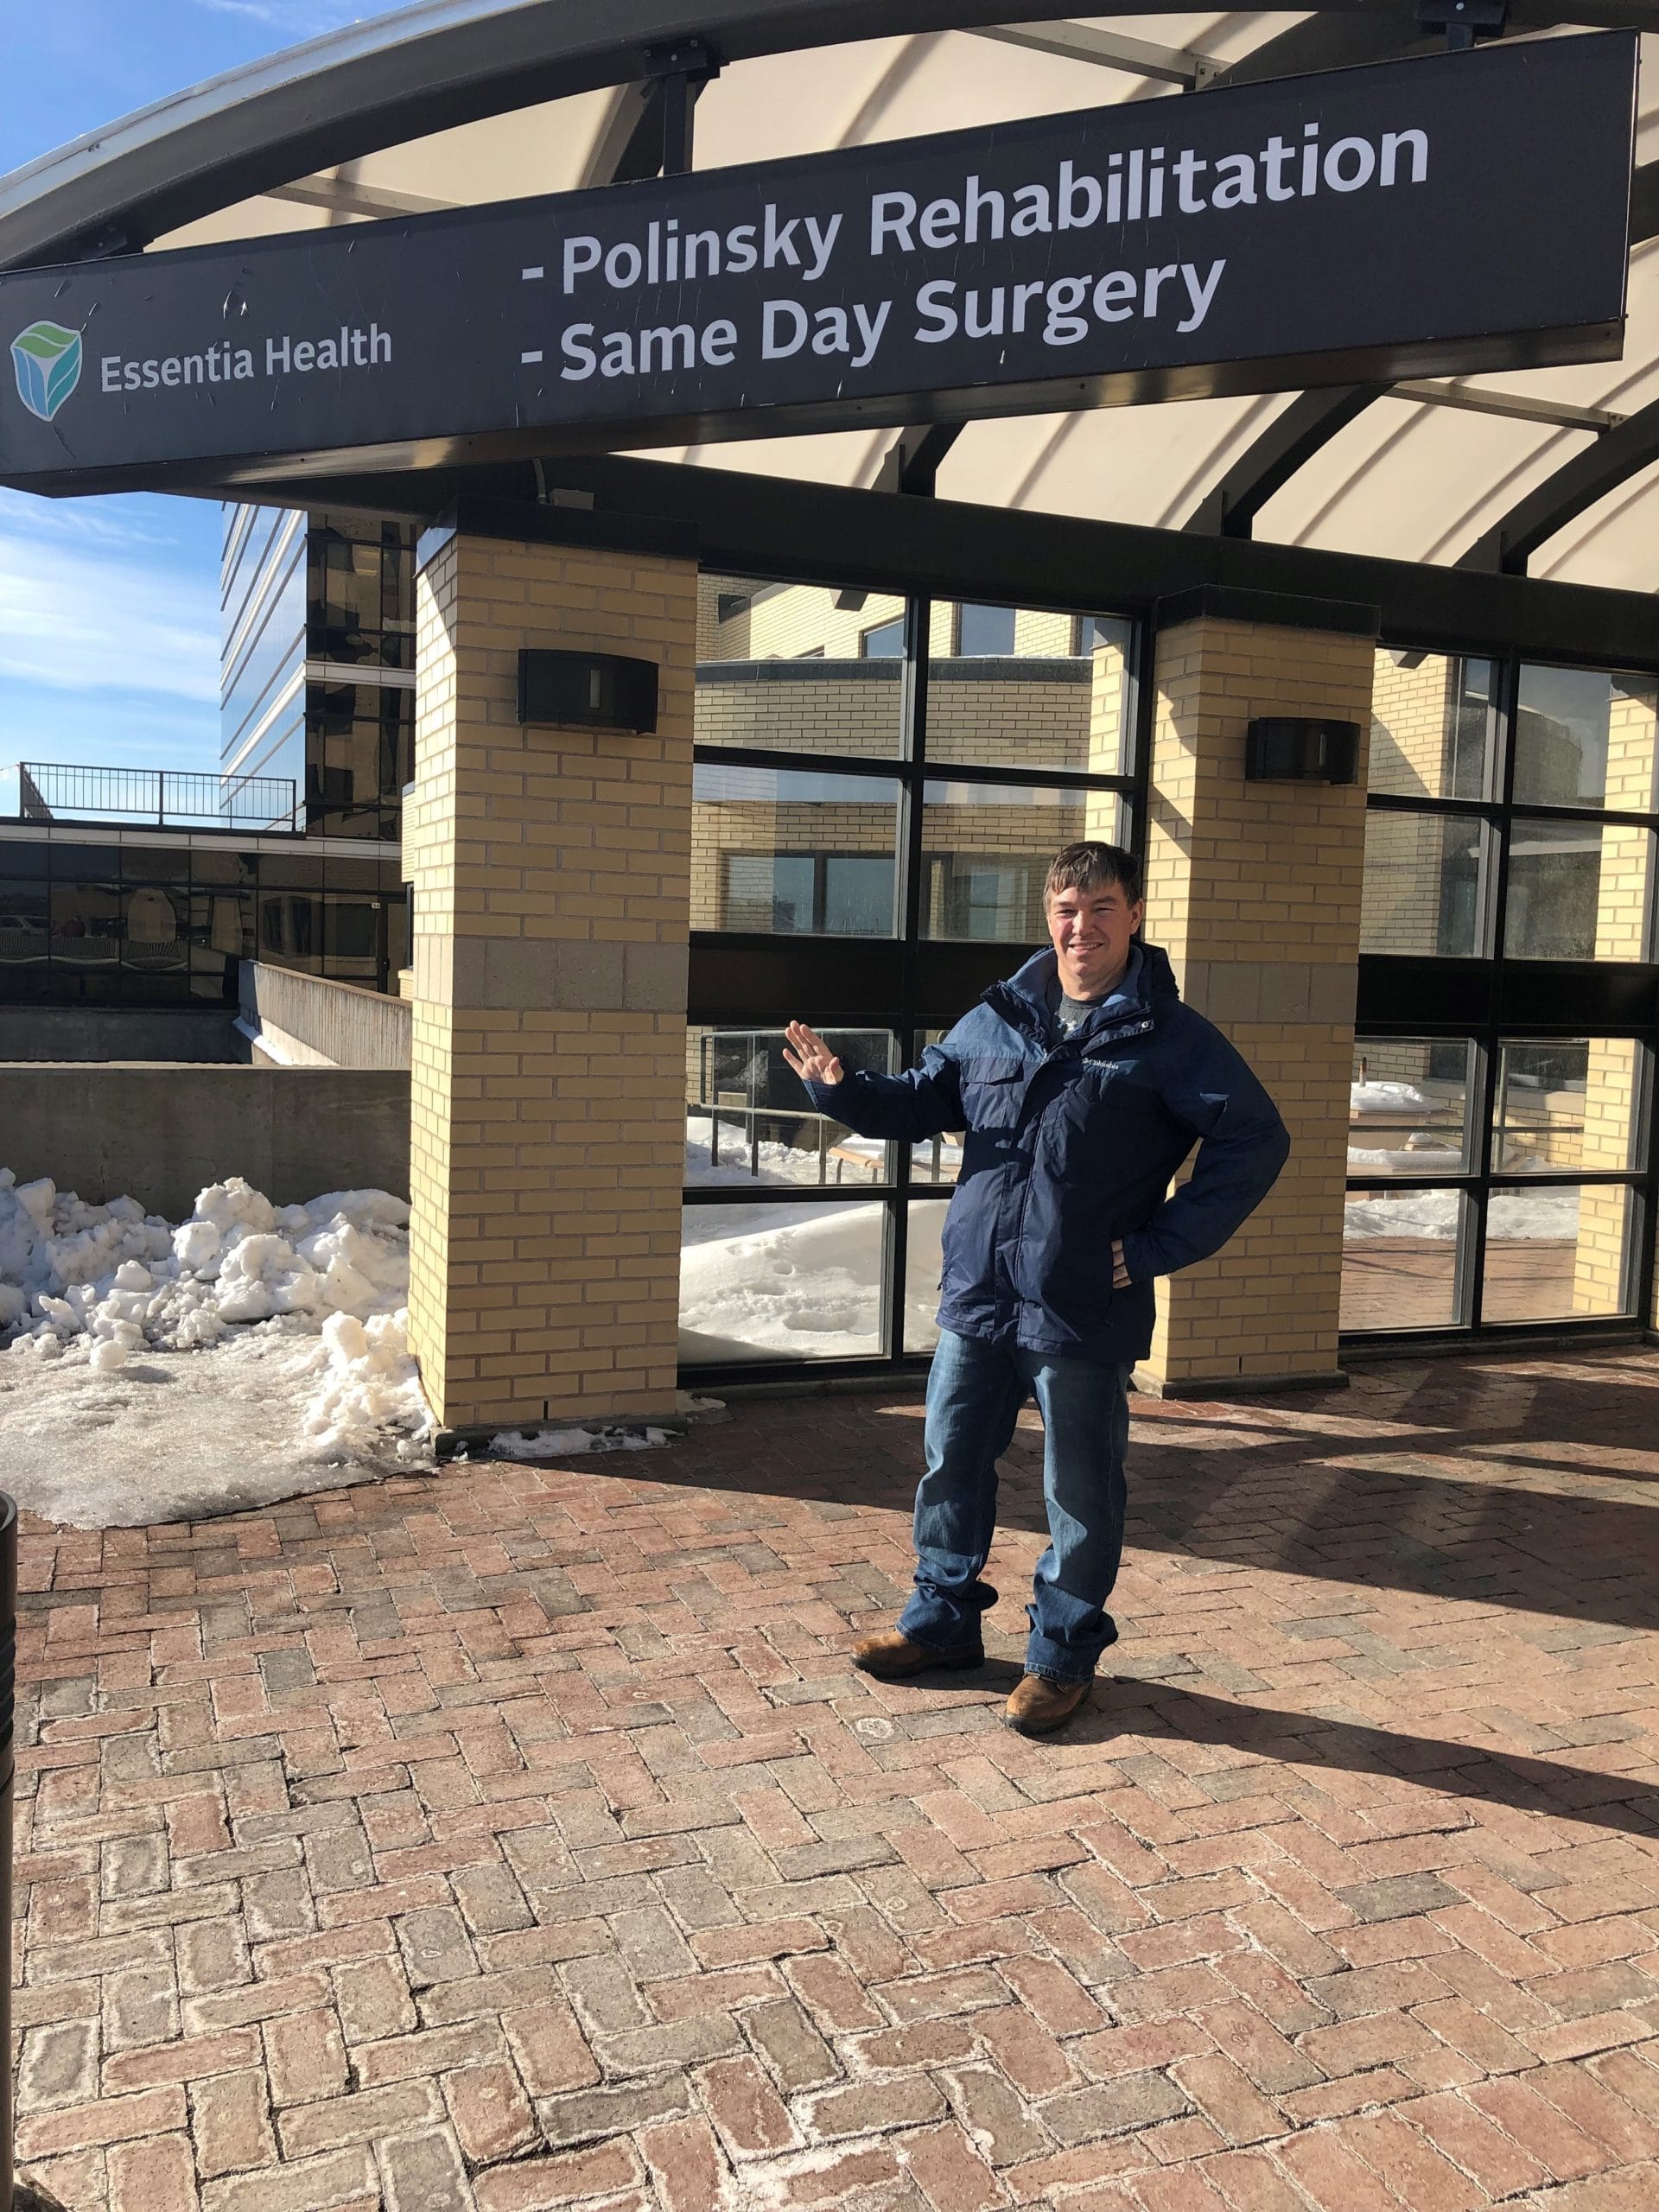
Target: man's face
[1090,932]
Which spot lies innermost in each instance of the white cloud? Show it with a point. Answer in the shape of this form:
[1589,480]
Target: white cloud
[92,600]
[295,19]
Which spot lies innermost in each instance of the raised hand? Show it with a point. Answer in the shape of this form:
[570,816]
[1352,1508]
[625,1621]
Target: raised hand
[810,1057]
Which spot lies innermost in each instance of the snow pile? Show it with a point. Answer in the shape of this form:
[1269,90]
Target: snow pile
[1385,1097]
[106,1283]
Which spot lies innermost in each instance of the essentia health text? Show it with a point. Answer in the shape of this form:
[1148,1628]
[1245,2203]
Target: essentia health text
[350,348]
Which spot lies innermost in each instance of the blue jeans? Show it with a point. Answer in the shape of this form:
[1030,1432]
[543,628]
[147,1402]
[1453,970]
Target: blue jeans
[974,1395]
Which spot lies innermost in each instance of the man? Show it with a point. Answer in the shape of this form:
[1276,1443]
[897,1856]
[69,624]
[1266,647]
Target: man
[1081,1084]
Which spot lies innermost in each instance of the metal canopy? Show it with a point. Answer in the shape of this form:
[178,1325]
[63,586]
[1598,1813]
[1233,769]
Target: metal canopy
[457,102]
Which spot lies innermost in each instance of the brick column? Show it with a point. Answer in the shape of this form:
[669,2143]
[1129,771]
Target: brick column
[550,874]
[1255,891]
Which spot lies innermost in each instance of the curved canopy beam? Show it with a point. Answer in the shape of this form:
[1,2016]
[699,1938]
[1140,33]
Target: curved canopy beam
[1296,436]
[430,67]
[1342,38]
[1290,440]
[1616,457]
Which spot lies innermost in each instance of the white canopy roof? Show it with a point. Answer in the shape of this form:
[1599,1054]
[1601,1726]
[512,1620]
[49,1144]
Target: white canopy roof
[1418,474]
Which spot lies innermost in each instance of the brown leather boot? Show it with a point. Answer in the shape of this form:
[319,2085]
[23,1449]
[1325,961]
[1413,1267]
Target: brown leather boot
[1039,1706]
[892,1656]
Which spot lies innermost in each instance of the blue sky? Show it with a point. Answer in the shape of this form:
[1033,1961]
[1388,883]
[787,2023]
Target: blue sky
[109,609]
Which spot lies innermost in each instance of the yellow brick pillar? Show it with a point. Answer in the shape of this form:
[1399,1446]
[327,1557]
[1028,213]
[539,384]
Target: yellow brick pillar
[550,875]
[1254,889]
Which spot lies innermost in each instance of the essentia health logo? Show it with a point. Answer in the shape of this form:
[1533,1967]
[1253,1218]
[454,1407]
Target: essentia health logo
[46,359]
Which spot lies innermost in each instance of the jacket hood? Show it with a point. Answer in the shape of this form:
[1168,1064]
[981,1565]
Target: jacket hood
[1029,984]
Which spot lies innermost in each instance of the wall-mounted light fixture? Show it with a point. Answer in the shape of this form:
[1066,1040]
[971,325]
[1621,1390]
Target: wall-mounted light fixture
[586,691]
[1296,749]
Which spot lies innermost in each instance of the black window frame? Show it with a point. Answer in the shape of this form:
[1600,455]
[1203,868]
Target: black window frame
[905,984]
[1492,998]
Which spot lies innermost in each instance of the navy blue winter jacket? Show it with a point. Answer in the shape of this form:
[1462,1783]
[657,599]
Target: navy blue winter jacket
[1070,1143]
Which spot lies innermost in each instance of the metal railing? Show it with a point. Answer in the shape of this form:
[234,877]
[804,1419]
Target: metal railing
[162,797]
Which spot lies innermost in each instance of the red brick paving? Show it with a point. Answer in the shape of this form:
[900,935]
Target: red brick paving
[522,1838]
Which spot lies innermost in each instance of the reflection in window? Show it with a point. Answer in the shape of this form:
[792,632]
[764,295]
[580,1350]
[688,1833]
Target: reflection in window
[1567,1104]
[886,641]
[786,667]
[1408,1107]
[24,921]
[922,1269]
[360,592]
[1585,738]
[1433,725]
[1032,689]
[749,1121]
[1426,884]
[781,1282]
[1561,1253]
[1578,891]
[985,632]
[791,853]
[1401,1253]
[359,754]
[986,847]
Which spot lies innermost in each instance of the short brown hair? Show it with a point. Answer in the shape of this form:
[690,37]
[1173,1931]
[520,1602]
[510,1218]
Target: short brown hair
[1087,865]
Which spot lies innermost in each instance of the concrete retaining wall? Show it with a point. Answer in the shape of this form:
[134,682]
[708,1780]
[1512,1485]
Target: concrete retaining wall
[111,1033]
[164,1132]
[308,1021]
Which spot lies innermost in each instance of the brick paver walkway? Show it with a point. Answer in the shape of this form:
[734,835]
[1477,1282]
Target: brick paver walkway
[522,1838]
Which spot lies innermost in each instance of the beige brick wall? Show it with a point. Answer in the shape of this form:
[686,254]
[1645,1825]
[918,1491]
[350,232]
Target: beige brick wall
[551,874]
[1255,891]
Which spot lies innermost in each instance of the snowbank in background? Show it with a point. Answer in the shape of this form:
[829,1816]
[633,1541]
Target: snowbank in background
[1385,1097]
[307,1301]
[1527,1217]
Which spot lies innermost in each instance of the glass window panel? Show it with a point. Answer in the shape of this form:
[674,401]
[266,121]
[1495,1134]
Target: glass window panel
[922,1267]
[781,1282]
[984,632]
[360,599]
[1567,1104]
[1399,1258]
[155,928]
[1433,725]
[986,849]
[21,857]
[1578,891]
[793,667]
[1585,738]
[1426,884]
[1559,1254]
[1009,687]
[1408,1106]
[155,864]
[24,921]
[749,1121]
[791,853]
[85,924]
[85,863]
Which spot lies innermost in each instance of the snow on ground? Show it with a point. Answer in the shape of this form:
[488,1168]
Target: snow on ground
[159,1372]
[154,1372]
[766,1280]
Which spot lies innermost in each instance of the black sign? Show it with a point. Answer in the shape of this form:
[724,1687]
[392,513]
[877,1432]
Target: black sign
[1466,211]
